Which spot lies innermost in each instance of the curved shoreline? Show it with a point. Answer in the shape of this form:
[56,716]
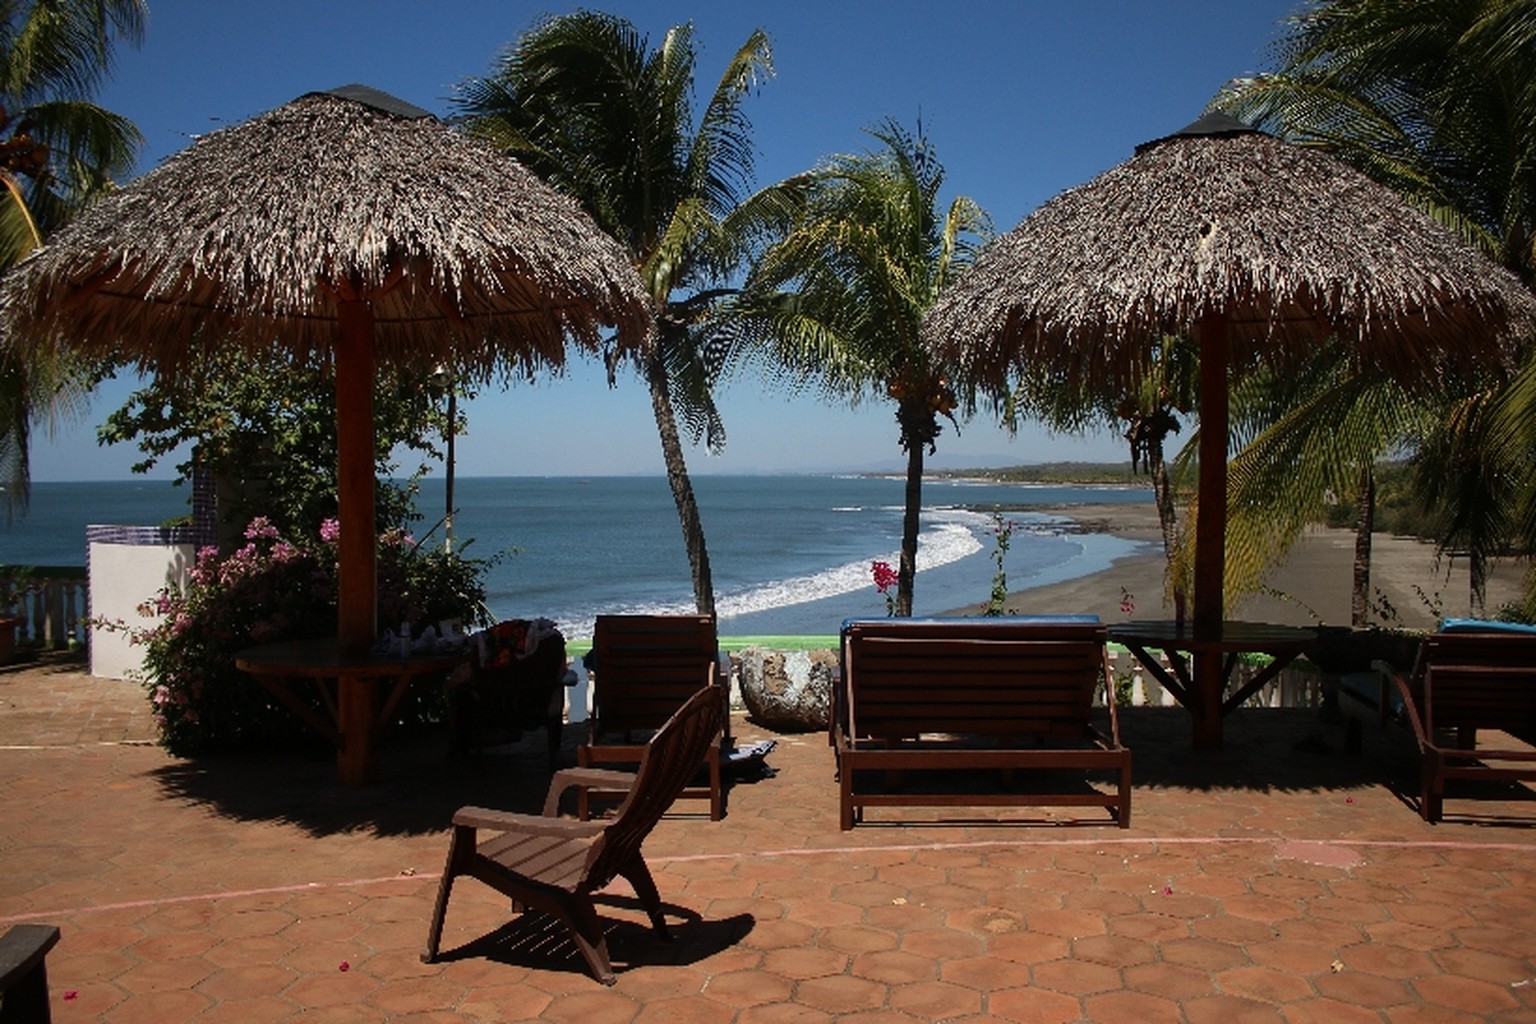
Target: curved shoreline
[1312,585]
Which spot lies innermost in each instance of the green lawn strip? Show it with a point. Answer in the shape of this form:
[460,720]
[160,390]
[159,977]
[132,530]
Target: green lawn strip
[576,648]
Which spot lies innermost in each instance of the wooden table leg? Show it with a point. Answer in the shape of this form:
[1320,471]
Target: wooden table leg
[356,755]
[1210,681]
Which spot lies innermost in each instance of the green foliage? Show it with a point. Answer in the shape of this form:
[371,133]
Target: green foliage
[839,298]
[1437,101]
[1125,687]
[1002,533]
[57,150]
[270,590]
[590,106]
[585,102]
[266,428]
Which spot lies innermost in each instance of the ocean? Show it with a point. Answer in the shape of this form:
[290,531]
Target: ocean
[790,554]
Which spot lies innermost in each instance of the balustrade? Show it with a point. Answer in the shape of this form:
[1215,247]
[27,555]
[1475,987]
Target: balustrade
[51,601]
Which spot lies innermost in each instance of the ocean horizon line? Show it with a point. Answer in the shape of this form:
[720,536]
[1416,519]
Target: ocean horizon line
[982,473]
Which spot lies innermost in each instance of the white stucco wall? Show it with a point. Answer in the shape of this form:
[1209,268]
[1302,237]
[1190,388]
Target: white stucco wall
[123,577]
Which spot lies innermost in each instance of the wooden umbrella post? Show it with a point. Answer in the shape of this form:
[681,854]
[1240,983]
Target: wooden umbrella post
[357,600]
[1211,527]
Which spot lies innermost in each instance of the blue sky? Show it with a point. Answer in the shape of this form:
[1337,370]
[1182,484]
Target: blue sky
[1022,98]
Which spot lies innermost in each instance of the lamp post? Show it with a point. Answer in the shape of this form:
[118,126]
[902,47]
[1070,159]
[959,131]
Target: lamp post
[442,378]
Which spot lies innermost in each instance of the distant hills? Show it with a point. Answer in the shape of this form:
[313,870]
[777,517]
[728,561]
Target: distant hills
[1050,473]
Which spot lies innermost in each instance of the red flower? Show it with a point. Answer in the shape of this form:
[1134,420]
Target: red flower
[885,576]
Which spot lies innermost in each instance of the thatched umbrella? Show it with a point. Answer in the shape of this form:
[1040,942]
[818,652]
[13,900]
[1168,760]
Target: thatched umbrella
[1262,248]
[349,227]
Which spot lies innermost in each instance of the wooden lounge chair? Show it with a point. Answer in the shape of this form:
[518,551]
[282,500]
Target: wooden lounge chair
[643,668]
[1469,685]
[556,864]
[956,696]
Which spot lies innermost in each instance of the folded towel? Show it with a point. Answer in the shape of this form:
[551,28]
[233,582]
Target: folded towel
[756,751]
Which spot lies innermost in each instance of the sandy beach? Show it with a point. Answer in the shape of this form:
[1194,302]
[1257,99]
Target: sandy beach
[1314,579]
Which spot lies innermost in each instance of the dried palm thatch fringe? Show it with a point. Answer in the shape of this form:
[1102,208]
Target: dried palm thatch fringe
[254,233]
[1292,245]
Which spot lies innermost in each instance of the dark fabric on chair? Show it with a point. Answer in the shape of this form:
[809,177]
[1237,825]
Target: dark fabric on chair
[515,683]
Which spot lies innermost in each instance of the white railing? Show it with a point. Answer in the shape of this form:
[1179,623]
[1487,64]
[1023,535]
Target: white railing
[52,603]
[1299,685]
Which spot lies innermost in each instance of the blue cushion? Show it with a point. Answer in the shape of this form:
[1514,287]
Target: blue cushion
[1484,626]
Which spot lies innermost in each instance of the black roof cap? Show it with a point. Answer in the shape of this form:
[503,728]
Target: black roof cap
[371,97]
[1213,123]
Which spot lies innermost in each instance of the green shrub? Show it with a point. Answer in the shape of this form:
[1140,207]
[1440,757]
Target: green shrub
[271,590]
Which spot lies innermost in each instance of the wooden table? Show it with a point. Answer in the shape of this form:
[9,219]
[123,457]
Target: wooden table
[1214,652]
[360,693]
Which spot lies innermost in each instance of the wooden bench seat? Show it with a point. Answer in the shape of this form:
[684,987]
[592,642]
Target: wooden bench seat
[1470,695]
[948,698]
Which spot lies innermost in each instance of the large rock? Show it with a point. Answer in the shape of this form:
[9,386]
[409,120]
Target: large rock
[790,691]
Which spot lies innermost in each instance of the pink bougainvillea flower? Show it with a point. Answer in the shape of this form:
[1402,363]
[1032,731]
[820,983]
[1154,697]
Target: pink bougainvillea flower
[259,527]
[885,576]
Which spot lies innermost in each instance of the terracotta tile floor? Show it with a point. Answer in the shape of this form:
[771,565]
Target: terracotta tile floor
[1275,880]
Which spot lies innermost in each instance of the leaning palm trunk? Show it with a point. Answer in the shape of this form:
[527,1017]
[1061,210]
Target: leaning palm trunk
[1162,491]
[1365,523]
[906,573]
[1477,580]
[682,486]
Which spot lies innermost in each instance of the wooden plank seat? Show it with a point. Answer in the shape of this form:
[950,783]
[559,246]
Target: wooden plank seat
[1471,705]
[555,865]
[643,668]
[946,698]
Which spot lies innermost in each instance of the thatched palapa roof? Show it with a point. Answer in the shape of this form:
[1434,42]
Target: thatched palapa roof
[1290,243]
[253,233]
[346,226]
[1258,249]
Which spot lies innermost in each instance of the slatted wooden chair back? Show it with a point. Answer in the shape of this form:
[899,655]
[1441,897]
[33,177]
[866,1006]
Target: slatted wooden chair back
[669,762]
[645,668]
[1005,681]
[1478,681]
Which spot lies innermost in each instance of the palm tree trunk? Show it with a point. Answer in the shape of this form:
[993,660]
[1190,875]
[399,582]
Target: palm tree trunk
[1477,580]
[1162,493]
[906,573]
[682,486]
[1365,523]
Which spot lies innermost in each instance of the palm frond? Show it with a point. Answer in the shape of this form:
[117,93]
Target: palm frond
[63,48]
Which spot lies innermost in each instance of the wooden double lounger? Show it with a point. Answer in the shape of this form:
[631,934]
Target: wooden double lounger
[1471,704]
[954,697]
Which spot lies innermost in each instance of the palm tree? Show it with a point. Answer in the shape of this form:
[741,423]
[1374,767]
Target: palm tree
[584,101]
[57,149]
[1147,413]
[1437,100]
[841,297]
